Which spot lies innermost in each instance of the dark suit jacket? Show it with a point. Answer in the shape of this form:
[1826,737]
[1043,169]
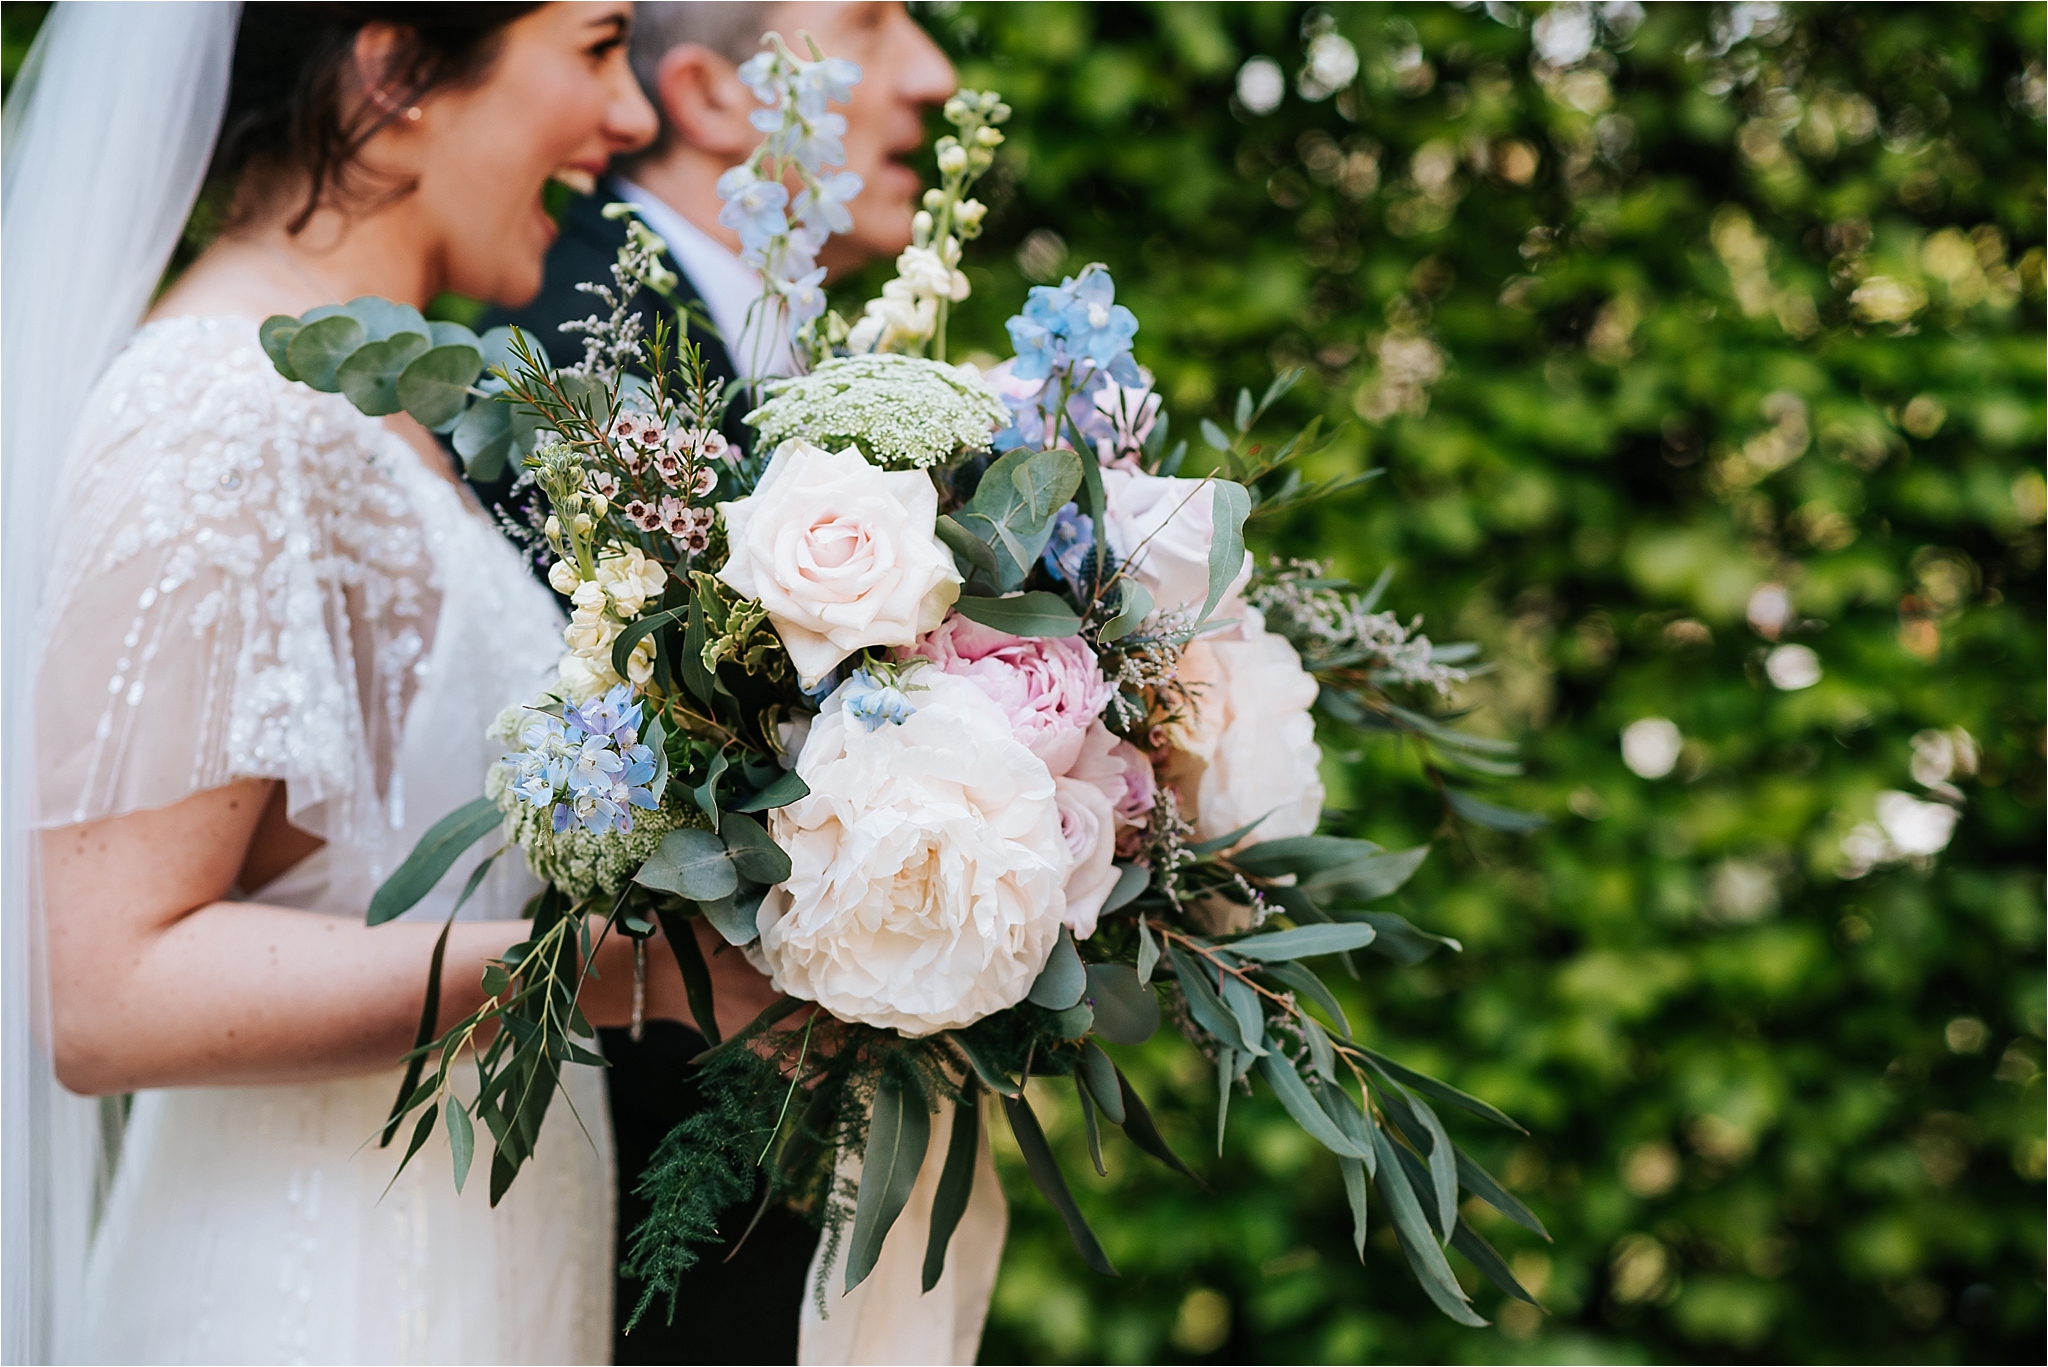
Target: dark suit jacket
[739,1311]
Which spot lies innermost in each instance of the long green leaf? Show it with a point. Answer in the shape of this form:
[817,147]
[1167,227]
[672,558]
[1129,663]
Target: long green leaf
[1036,613]
[1208,1009]
[1306,983]
[1303,942]
[1226,552]
[639,630]
[1045,1173]
[1100,1075]
[1442,1091]
[1353,1172]
[1368,879]
[1250,1013]
[1089,1126]
[443,843]
[461,1141]
[956,1182]
[898,1134]
[1493,817]
[1148,951]
[1399,939]
[1308,1113]
[1481,1183]
[991,1076]
[1417,1239]
[1134,605]
[682,942]
[1302,854]
[1467,1241]
[1142,1130]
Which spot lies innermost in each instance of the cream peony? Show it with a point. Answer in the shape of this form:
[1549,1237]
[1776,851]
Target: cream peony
[926,866]
[1089,827]
[841,554]
[1249,748]
[1162,529]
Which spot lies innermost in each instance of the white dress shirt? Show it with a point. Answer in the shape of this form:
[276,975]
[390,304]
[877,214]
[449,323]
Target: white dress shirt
[730,288]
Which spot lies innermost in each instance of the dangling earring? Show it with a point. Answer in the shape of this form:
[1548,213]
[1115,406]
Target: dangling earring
[412,114]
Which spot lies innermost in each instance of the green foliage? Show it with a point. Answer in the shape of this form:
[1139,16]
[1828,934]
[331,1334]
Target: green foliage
[1709,309]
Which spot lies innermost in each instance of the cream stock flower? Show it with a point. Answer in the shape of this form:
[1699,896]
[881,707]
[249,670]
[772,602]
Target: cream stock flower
[842,555]
[1162,528]
[1248,749]
[927,866]
[629,578]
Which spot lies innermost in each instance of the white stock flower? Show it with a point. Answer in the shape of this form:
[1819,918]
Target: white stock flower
[842,555]
[1248,748]
[1161,529]
[629,579]
[1088,825]
[926,866]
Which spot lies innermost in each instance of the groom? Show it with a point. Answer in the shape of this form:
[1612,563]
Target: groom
[686,55]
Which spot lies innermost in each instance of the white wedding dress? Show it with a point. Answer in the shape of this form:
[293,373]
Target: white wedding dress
[254,580]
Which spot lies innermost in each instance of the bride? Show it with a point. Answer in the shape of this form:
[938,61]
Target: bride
[273,634]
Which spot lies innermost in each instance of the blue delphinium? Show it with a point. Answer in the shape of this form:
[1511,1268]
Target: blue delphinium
[1072,541]
[875,698]
[588,765]
[1073,336]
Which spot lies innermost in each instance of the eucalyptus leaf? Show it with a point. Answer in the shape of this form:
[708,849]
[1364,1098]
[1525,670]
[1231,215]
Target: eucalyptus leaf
[382,318]
[1074,1022]
[1226,551]
[1442,1091]
[1036,613]
[780,793]
[461,1141]
[1303,855]
[1203,1002]
[1487,1259]
[1131,879]
[1353,1173]
[275,336]
[1045,1173]
[318,348]
[691,863]
[1492,817]
[754,852]
[1481,1183]
[1243,1002]
[1306,984]
[1014,505]
[1063,980]
[1215,435]
[1368,879]
[434,386]
[1142,1130]
[369,377]
[899,1131]
[1134,605]
[483,438]
[735,917]
[991,1077]
[1304,942]
[1418,1240]
[1100,1075]
[1226,1080]
[439,848]
[1301,1103]
[979,558]
[1399,939]
[1148,951]
[1126,1010]
[956,1183]
[1089,1127]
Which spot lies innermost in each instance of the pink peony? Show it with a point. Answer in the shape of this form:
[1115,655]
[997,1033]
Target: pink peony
[1050,687]
[1121,770]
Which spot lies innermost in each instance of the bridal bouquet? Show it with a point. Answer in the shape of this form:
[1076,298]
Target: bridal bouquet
[954,702]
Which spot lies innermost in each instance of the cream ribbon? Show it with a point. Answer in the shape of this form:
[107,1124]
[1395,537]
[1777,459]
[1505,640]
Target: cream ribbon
[889,1318]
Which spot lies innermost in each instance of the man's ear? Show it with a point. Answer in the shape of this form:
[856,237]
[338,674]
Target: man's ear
[704,101]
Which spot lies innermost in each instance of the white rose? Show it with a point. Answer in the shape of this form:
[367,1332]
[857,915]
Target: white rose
[841,554]
[1248,749]
[926,866]
[1088,825]
[1162,529]
[629,579]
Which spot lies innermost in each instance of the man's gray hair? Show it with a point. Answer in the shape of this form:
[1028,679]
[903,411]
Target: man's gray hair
[730,28]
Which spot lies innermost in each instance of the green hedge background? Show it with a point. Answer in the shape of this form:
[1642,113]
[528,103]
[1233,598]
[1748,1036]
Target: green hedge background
[1639,310]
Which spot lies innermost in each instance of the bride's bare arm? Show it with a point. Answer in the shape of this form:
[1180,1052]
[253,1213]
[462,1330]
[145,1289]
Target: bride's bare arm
[156,980]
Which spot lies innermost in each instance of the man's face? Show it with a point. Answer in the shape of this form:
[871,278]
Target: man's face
[902,73]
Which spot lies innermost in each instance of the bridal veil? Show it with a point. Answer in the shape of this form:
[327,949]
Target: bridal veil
[107,136]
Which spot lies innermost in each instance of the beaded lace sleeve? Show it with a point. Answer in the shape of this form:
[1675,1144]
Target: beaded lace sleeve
[242,590]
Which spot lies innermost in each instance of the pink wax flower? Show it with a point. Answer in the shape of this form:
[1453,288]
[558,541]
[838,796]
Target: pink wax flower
[1051,688]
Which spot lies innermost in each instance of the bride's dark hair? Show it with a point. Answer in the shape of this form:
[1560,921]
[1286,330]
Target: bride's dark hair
[294,102]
